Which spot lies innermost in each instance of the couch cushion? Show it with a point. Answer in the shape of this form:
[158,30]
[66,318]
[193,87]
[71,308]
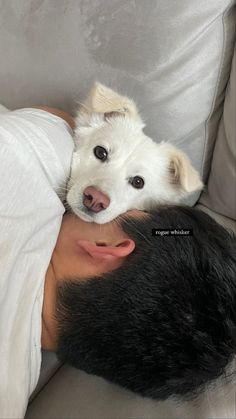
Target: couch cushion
[227,223]
[50,365]
[74,394]
[172,57]
[220,194]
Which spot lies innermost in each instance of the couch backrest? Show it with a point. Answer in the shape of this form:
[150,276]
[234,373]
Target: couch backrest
[220,194]
[172,57]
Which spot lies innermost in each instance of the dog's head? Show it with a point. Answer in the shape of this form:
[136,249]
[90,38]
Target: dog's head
[116,167]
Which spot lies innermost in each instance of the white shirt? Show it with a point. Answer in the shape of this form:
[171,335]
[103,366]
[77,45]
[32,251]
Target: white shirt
[35,155]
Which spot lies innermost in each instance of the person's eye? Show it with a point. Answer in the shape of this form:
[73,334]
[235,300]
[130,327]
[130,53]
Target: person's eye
[100,152]
[137,182]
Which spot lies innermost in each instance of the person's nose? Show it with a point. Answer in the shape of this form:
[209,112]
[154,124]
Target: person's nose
[94,199]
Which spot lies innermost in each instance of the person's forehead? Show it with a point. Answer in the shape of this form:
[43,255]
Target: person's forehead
[131,214]
[134,213]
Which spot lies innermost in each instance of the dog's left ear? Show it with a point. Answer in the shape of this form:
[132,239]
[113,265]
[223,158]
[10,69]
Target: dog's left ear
[182,173]
[106,103]
[104,100]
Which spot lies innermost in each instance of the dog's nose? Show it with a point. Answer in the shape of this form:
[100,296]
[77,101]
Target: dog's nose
[95,200]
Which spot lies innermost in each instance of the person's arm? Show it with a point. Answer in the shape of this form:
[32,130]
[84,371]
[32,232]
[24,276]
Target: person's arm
[58,112]
[35,154]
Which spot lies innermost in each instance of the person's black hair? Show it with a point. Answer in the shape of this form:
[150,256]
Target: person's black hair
[164,323]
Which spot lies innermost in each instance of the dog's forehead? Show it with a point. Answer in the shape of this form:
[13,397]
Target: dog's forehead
[124,134]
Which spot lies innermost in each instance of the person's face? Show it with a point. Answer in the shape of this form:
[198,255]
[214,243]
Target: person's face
[87,249]
[83,250]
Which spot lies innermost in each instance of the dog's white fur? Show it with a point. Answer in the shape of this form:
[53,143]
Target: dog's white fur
[112,121]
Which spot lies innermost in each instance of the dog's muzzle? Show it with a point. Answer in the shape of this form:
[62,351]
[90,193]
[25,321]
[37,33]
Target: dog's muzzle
[95,200]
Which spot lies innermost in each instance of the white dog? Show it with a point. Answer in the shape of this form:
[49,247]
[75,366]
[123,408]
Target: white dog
[116,167]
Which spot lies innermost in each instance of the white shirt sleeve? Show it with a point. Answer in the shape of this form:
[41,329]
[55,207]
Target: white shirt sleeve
[35,155]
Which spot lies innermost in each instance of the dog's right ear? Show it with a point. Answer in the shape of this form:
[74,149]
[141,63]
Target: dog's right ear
[104,103]
[104,100]
[181,172]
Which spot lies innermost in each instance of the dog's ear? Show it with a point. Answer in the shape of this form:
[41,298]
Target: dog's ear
[104,103]
[104,100]
[182,173]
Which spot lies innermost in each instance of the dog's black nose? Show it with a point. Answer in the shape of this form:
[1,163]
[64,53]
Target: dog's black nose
[95,200]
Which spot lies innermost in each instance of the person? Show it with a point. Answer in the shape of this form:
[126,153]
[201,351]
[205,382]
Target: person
[116,300]
[36,146]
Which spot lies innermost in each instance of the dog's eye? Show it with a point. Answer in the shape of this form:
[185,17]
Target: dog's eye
[100,153]
[137,182]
